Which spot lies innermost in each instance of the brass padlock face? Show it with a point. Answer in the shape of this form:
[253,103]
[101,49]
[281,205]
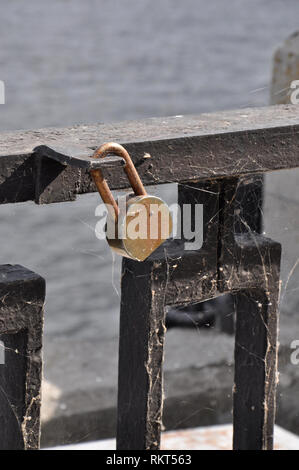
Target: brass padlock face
[145,225]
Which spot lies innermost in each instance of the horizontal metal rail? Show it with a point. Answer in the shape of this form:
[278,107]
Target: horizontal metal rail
[164,150]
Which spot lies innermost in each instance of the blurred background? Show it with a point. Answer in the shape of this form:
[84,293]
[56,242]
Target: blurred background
[67,62]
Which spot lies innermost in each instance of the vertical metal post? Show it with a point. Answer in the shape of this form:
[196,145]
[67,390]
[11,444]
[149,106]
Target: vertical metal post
[142,330]
[250,268]
[255,369]
[22,295]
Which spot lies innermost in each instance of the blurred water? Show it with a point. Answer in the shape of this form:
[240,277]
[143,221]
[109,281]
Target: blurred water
[68,61]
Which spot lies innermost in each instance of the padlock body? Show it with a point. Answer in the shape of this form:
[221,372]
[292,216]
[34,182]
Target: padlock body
[142,226]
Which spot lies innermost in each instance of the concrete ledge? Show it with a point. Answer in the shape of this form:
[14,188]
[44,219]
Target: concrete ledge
[203,438]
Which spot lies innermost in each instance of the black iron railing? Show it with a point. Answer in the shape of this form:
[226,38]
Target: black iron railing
[215,154]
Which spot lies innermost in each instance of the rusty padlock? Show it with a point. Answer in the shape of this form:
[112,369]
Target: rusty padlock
[149,214]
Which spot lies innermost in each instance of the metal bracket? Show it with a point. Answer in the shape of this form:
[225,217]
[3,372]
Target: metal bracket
[58,166]
[77,157]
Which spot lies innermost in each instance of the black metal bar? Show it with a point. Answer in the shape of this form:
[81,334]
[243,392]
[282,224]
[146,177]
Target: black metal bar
[250,268]
[142,329]
[249,204]
[186,148]
[255,368]
[22,295]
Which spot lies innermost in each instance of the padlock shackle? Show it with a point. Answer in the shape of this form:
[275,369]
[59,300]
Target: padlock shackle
[101,183]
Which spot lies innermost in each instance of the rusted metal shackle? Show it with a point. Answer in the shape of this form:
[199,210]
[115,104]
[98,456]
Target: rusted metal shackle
[101,183]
